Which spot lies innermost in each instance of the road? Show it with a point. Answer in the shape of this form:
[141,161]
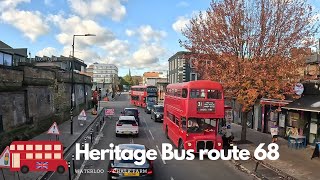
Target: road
[152,136]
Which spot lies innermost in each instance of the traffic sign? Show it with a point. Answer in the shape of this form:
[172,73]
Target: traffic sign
[109,112]
[5,158]
[82,116]
[54,129]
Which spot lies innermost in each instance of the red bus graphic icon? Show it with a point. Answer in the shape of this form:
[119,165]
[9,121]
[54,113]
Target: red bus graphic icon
[37,156]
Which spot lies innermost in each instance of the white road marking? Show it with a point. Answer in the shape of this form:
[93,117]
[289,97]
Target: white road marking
[131,141]
[160,154]
[171,178]
[151,134]
[96,141]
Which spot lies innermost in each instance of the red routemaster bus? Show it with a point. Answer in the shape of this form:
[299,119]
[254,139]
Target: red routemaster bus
[192,111]
[143,95]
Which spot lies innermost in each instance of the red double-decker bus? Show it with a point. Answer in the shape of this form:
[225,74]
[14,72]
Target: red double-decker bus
[143,95]
[192,111]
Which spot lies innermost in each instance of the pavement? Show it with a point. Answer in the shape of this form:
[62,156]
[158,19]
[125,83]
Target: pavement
[66,139]
[292,163]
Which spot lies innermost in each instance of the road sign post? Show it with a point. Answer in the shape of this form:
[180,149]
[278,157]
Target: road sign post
[109,113]
[54,130]
[82,118]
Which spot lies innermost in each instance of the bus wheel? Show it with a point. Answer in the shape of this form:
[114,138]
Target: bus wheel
[60,169]
[24,169]
[167,132]
[181,147]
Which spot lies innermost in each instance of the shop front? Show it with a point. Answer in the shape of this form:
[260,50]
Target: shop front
[273,115]
[303,118]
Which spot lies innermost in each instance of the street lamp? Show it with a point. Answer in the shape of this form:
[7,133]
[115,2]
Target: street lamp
[72,80]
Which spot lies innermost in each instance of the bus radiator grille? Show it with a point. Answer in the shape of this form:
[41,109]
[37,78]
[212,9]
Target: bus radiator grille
[204,145]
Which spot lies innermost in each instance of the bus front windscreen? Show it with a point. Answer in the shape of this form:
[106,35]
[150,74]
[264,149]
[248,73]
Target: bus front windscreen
[151,100]
[199,125]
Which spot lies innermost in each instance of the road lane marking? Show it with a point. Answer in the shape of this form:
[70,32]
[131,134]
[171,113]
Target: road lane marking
[160,154]
[131,141]
[96,141]
[171,178]
[151,134]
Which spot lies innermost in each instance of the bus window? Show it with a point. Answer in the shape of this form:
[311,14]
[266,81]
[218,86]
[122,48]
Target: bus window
[196,93]
[183,123]
[214,94]
[198,125]
[179,92]
[177,121]
[184,93]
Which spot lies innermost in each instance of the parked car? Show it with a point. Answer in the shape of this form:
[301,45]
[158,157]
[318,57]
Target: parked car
[131,112]
[127,125]
[126,169]
[157,113]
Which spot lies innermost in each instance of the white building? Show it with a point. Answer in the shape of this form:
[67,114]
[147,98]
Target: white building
[105,76]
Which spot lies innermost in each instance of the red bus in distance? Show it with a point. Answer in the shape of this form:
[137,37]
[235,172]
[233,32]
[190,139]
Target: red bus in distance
[143,95]
[192,111]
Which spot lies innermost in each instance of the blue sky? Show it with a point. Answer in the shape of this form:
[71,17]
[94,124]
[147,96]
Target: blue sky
[136,34]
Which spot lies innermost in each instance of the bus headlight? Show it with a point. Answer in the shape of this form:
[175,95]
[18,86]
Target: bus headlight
[189,144]
[219,144]
[158,115]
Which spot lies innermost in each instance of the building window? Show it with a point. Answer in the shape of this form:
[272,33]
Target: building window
[193,77]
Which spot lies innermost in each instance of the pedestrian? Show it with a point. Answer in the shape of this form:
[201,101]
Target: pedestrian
[95,95]
[274,133]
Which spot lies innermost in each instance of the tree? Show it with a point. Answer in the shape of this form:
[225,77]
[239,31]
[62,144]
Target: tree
[127,78]
[246,45]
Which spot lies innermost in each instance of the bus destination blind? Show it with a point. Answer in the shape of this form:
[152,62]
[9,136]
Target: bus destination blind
[205,106]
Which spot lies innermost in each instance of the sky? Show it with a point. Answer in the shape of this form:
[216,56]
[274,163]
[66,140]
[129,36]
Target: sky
[140,35]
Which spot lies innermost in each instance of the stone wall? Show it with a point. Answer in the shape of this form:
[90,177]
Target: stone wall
[32,95]
[12,109]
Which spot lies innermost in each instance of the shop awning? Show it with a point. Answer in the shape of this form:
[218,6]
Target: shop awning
[305,103]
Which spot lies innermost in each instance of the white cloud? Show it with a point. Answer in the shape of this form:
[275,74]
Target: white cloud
[30,23]
[146,55]
[117,48]
[148,34]
[10,4]
[48,51]
[129,32]
[180,24]
[182,4]
[92,8]
[76,26]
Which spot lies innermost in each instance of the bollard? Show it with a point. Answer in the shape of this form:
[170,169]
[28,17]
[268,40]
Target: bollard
[97,128]
[91,137]
[73,166]
[69,170]
[103,119]
[82,147]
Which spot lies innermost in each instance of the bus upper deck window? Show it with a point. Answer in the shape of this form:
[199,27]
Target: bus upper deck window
[197,93]
[184,93]
[214,94]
